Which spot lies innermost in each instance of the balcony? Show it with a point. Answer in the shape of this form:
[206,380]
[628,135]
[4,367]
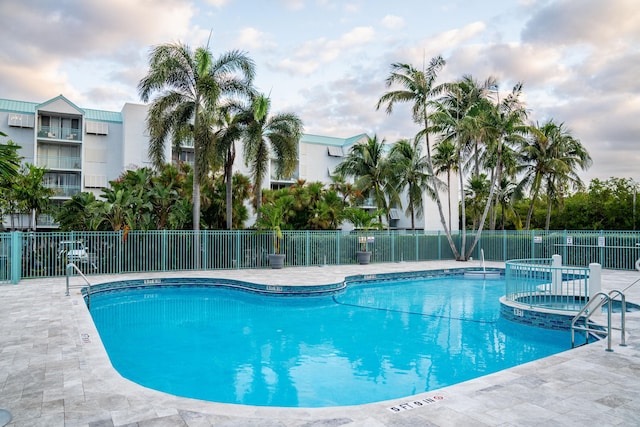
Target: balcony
[59,134]
[45,220]
[64,190]
[59,162]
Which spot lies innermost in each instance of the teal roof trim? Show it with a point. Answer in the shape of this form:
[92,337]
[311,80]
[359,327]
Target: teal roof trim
[17,106]
[102,116]
[25,107]
[330,140]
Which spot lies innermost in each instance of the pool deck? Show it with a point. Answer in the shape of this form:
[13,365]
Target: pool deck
[54,371]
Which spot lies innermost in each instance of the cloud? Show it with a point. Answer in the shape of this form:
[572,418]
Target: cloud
[253,39]
[294,4]
[594,22]
[314,53]
[219,3]
[439,43]
[45,47]
[393,22]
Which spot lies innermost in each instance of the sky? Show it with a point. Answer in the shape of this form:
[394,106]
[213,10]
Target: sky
[327,60]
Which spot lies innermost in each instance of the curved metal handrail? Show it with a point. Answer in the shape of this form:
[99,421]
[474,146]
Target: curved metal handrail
[70,267]
[591,307]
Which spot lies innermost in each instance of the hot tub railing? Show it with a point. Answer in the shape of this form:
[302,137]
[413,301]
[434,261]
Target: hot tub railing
[546,283]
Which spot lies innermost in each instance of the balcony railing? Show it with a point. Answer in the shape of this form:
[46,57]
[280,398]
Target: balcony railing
[59,162]
[64,190]
[45,220]
[57,133]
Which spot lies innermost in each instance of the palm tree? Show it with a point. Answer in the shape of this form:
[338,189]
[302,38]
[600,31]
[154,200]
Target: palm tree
[75,214]
[445,160]
[417,87]
[502,125]
[9,159]
[230,129]
[267,135]
[189,84]
[367,164]
[550,158]
[31,193]
[409,169]
[457,118]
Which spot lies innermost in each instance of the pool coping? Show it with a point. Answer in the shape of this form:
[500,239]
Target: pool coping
[76,384]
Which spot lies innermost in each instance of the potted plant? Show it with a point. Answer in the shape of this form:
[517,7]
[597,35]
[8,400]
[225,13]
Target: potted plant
[362,221]
[271,217]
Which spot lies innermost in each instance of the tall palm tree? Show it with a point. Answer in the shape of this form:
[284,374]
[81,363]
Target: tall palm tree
[550,158]
[409,169]
[458,120]
[268,135]
[230,127]
[189,84]
[445,160]
[502,125]
[366,162]
[418,88]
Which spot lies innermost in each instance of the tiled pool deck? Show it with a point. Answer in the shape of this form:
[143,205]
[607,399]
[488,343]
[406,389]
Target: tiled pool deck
[55,372]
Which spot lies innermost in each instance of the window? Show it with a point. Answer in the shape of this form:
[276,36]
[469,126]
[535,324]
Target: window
[21,120]
[97,128]
[95,181]
[335,151]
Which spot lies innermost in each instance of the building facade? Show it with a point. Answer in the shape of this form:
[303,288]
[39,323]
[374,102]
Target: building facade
[83,149]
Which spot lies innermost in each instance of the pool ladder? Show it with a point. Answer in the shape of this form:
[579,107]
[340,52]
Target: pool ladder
[595,303]
[70,267]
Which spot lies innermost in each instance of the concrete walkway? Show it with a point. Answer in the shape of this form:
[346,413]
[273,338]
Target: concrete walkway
[54,372]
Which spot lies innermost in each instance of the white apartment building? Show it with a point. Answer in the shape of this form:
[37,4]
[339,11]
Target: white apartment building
[83,149]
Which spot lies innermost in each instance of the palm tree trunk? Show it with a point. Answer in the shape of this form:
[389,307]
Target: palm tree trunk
[443,221]
[228,176]
[546,224]
[449,194]
[463,208]
[534,196]
[489,201]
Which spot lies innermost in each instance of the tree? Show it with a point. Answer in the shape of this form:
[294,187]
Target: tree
[409,169]
[372,172]
[190,84]
[76,214]
[9,159]
[502,125]
[445,160]
[266,135]
[418,88]
[31,193]
[550,157]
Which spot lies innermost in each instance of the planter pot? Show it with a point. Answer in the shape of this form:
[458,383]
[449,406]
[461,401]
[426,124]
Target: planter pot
[363,257]
[276,260]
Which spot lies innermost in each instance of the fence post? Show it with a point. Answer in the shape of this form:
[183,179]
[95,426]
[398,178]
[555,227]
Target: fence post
[307,245]
[595,279]
[165,249]
[504,245]
[16,256]
[556,275]
[393,247]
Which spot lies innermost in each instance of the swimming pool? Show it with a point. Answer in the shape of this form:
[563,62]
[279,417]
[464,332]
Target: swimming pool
[373,341]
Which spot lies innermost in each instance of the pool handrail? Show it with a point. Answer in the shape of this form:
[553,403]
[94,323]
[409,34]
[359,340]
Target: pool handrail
[591,307]
[70,267]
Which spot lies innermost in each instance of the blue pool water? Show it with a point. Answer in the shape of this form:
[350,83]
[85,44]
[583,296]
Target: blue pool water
[371,342]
